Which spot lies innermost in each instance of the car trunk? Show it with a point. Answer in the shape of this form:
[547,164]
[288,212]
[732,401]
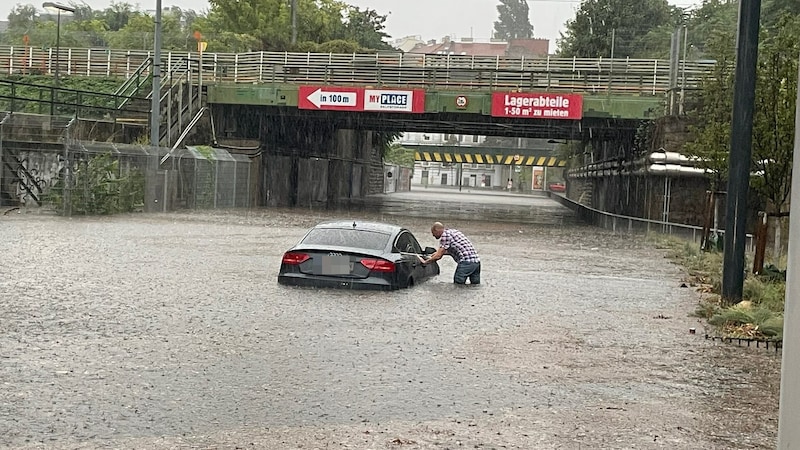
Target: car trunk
[336,264]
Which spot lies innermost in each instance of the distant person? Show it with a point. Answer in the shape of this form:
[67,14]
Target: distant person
[457,245]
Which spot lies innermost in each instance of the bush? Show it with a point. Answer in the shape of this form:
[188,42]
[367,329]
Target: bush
[99,188]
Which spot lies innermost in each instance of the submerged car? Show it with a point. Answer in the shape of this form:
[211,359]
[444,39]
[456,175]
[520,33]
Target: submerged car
[357,255]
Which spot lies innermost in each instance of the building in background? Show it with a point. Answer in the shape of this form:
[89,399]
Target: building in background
[408,43]
[517,48]
[482,168]
[473,175]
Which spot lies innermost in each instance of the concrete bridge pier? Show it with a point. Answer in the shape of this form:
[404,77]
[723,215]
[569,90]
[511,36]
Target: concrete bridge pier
[323,168]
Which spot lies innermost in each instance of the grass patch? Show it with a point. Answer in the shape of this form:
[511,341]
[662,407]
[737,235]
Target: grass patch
[760,313]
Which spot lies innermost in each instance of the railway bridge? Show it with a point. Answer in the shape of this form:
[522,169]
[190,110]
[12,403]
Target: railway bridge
[318,121]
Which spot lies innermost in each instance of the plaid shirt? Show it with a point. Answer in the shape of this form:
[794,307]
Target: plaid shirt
[458,246]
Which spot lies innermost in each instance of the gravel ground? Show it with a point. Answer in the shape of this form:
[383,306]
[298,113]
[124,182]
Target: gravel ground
[170,331]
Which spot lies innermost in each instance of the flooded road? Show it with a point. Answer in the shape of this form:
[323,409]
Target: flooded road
[170,331]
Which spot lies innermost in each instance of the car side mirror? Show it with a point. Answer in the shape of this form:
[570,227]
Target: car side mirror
[429,251]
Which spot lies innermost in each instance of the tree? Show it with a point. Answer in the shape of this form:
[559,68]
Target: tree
[366,28]
[397,154]
[713,112]
[773,121]
[774,113]
[22,18]
[628,23]
[514,21]
[118,15]
[706,22]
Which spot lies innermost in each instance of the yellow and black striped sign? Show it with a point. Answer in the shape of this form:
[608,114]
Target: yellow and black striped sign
[487,158]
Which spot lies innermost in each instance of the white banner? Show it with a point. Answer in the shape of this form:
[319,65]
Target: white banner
[384,100]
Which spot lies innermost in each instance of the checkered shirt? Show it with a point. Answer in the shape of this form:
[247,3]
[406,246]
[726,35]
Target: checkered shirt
[458,246]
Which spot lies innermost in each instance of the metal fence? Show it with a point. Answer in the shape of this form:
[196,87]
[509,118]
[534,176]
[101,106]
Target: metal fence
[213,178]
[627,224]
[620,75]
[42,165]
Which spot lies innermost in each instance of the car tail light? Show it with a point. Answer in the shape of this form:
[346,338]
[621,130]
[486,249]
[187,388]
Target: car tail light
[378,265]
[295,258]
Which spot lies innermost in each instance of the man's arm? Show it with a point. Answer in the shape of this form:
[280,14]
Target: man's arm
[435,256]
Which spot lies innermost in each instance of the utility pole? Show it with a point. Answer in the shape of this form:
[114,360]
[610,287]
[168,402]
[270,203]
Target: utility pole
[151,198]
[741,142]
[294,22]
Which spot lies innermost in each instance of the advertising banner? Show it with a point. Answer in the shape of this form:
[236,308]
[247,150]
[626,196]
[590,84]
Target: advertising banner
[336,98]
[529,105]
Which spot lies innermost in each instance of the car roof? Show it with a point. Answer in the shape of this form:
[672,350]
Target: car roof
[379,227]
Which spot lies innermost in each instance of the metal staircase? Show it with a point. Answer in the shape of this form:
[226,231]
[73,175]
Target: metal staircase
[179,98]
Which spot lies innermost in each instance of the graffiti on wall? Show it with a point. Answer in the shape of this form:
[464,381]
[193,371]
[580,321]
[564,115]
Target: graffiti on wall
[35,175]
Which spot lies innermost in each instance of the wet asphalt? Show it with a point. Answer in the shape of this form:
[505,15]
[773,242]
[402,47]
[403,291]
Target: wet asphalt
[170,331]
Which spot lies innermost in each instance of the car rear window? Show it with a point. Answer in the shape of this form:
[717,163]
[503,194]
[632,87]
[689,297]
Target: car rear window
[347,238]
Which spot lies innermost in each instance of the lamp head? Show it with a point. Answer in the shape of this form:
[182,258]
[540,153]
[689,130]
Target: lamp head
[58,6]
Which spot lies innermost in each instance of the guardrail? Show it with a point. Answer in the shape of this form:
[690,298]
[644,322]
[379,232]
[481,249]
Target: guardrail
[626,224]
[407,70]
[17,96]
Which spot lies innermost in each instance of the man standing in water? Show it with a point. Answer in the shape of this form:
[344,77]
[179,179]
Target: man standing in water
[455,244]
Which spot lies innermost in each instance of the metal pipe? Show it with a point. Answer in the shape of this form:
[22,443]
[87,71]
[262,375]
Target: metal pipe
[683,71]
[58,7]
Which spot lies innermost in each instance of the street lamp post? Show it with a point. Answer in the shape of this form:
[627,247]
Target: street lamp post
[58,7]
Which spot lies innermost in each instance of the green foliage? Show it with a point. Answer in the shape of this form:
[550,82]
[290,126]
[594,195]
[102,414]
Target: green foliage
[712,113]
[759,315]
[706,309]
[635,25]
[40,96]
[773,123]
[397,154]
[513,20]
[707,23]
[230,26]
[99,188]
[744,322]
[365,27]
[765,292]
[319,22]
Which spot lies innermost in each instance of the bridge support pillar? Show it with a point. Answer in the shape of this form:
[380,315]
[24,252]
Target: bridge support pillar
[314,164]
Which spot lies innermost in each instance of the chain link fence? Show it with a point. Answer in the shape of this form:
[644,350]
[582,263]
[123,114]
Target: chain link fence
[41,165]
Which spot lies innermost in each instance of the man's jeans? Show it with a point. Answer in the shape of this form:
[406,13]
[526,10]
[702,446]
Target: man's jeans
[471,270]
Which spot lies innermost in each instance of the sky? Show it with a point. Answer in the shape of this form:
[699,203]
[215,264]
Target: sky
[429,19]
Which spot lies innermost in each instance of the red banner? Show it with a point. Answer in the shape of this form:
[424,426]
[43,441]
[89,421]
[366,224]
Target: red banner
[530,105]
[337,98]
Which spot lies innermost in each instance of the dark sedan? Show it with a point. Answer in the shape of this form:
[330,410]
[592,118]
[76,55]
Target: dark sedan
[357,255]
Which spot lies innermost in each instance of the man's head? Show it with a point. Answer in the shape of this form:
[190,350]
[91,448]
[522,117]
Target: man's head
[437,229]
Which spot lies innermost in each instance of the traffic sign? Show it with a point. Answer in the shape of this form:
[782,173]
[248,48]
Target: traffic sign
[329,98]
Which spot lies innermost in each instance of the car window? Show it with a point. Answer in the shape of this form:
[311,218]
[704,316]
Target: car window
[407,243]
[347,238]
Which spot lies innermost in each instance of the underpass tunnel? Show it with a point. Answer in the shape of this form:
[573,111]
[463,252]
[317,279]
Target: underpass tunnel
[320,158]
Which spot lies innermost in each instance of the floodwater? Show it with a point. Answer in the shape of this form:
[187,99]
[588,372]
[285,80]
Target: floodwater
[170,331]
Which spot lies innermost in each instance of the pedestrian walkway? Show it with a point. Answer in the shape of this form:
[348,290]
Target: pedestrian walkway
[477,190]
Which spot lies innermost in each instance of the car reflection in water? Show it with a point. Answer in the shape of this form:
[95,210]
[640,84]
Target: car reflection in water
[356,255]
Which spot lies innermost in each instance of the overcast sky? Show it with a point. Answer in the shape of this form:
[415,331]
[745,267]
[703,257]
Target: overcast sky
[430,19]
